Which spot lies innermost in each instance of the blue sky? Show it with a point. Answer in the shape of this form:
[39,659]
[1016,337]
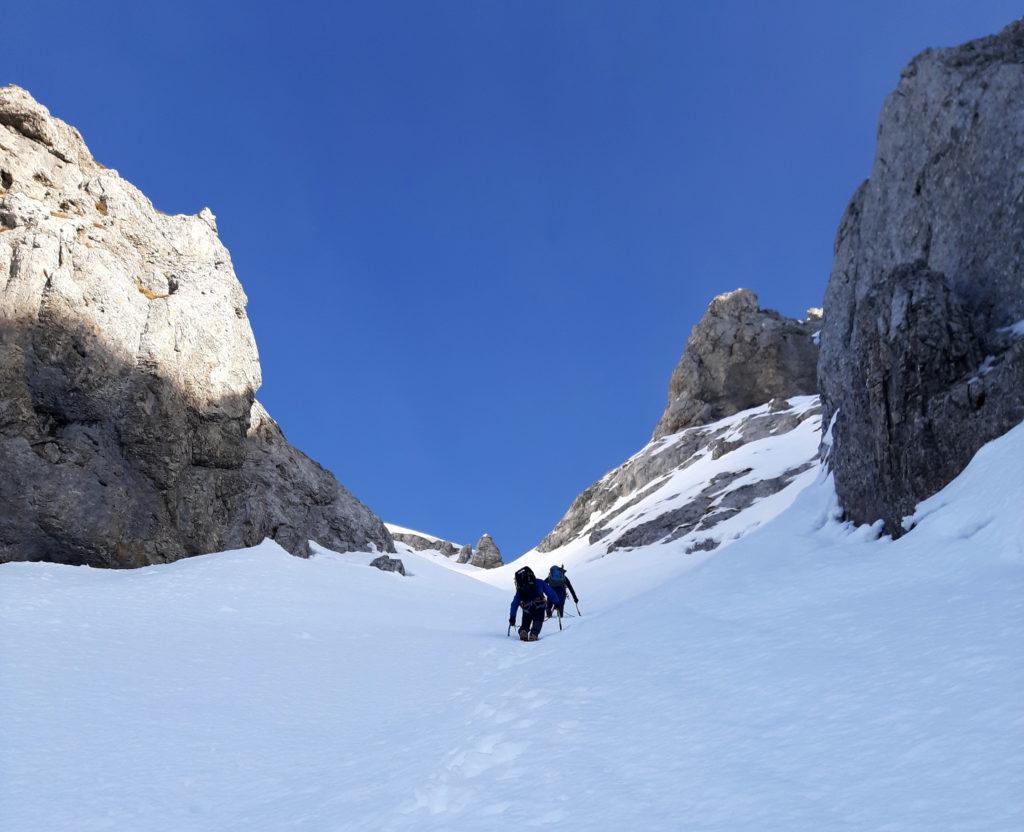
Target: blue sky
[475,235]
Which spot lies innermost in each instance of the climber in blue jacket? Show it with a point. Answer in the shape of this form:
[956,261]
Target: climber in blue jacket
[533,596]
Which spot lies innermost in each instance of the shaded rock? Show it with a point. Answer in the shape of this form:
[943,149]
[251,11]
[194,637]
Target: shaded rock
[387,564]
[919,365]
[465,553]
[292,499]
[714,504]
[129,429]
[671,525]
[739,356]
[486,554]
[720,447]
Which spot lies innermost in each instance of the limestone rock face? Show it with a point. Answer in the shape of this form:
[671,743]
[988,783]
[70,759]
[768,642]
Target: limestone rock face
[737,357]
[129,430]
[486,553]
[464,554]
[921,361]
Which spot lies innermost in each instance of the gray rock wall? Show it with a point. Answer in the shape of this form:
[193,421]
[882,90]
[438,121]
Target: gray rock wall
[918,365]
[129,429]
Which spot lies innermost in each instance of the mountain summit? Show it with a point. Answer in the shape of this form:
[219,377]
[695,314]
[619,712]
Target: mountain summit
[739,356]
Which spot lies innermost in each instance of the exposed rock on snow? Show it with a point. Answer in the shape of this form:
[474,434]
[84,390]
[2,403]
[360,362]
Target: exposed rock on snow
[917,362]
[424,542]
[709,507]
[730,389]
[420,543]
[129,431]
[737,357]
[680,487]
[386,564]
[486,555]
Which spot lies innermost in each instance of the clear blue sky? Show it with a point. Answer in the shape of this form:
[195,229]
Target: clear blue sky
[475,235]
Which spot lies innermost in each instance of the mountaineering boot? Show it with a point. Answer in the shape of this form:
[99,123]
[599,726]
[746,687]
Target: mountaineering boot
[524,634]
[533,637]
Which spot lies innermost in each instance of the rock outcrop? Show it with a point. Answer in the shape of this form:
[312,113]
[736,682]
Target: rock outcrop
[387,564]
[922,359]
[486,554]
[739,356]
[643,502]
[740,361]
[419,543]
[129,429]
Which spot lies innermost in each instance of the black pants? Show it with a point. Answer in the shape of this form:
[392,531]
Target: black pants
[533,619]
[561,594]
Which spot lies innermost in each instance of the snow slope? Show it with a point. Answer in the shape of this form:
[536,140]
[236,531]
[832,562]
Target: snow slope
[806,677]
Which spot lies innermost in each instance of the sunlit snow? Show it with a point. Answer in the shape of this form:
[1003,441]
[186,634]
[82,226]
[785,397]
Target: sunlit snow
[806,677]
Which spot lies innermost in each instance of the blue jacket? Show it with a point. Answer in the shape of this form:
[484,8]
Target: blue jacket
[544,588]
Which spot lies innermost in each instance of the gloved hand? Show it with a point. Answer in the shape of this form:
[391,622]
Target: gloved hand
[511,622]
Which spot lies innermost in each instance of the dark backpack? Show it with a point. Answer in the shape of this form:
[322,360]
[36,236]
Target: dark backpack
[526,584]
[556,577]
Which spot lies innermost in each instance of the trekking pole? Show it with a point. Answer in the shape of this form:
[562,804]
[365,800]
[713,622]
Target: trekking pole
[577,607]
[508,632]
[559,619]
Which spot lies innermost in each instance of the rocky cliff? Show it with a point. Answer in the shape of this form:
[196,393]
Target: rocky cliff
[728,391]
[922,359]
[129,429]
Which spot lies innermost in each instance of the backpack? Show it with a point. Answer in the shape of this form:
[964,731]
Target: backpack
[556,576]
[526,584]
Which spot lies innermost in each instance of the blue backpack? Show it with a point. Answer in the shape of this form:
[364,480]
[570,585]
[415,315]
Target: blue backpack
[556,577]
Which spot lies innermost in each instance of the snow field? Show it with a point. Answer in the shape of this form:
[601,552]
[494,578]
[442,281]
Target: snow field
[807,677]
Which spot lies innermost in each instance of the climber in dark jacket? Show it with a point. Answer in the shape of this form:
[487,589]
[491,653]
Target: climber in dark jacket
[533,597]
[559,581]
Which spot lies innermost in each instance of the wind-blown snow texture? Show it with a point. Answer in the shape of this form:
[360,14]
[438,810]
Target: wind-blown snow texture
[807,677]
